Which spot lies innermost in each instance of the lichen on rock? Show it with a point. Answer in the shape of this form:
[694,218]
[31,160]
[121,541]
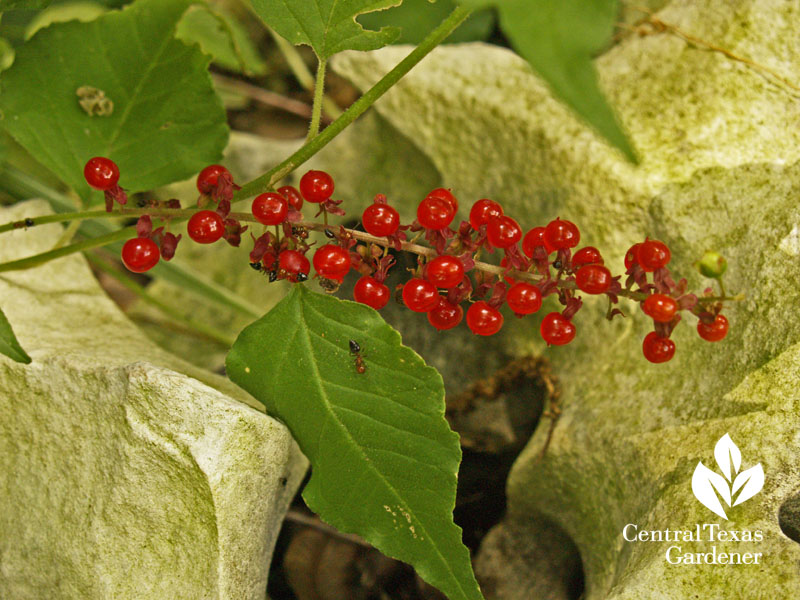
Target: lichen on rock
[120,475]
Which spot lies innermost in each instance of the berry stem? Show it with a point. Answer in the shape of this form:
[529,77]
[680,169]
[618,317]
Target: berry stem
[721,298]
[316,108]
[362,236]
[268,180]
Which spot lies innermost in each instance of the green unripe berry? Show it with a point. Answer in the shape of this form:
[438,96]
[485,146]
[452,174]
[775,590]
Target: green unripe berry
[713,264]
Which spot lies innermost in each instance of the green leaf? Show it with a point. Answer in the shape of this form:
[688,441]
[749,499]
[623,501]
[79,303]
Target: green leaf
[416,19]
[384,461]
[9,344]
[328,26]
[167,122]
[223,37]
[6,54]
[81,10]
[26,4]
[559,38]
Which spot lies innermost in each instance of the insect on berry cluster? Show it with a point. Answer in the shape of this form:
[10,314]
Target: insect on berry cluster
[449,283]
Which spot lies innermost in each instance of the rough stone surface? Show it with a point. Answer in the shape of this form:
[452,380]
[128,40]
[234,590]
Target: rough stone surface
[534,545]
[121,477]
[720,168]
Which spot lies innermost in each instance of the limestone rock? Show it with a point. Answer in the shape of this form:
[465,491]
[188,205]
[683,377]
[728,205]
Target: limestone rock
[720,169]
[120,476]
[538,561]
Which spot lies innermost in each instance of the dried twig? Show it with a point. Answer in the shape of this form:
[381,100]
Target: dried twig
[651,25]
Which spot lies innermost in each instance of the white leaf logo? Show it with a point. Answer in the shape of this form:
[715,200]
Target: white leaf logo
[727,454]
[709,487]
[751,481]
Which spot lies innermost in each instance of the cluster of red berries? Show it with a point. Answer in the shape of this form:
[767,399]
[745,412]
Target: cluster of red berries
[535,264]
[216,187]
[143,252]
[665,299]
[282,254]
[150,245]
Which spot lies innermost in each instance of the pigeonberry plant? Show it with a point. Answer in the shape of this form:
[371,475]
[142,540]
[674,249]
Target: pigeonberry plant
[365,410]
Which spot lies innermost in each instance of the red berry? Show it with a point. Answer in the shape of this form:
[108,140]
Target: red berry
[208,178]
[293,262]
[435,213]
[332,262]
[445,271]
[420,295]
[140,254]
[101,173]
[557,330]
[660,308]
[593,279]
[524,298]
[484,211]
[205,227]
[483,319]
[445,195]
[657,349]
[445,315]
[316,186]
[714,332]
[588,255]
[270,208]
[292,196]
[535,237]
[380,220]
[631,257]
[561,234]
[371,292]
[653,255]
[503,232]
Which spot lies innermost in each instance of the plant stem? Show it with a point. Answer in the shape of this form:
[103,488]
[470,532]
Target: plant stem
[164,213]
[316,109]
[57,218]
[267,181]
[196,326]
[302,73]
[168,213]
[68,235]
[96,242]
